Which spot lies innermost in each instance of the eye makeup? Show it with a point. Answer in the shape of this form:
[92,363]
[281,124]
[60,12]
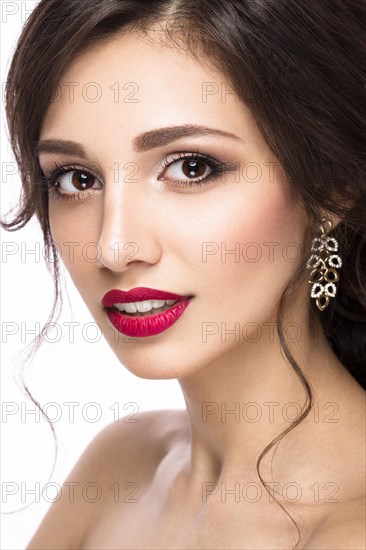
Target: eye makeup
[190,164]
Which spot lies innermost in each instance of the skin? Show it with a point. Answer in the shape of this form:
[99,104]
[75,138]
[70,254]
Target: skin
[175,453]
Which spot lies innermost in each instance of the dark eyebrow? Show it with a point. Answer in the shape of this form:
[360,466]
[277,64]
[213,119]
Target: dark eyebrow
[60,147]
[141,143]
[164,136]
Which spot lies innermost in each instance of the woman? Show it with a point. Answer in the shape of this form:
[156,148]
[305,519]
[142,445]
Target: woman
[207,159]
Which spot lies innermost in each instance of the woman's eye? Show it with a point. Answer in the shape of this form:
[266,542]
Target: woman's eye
[76,180]
[187,169]
[192,170]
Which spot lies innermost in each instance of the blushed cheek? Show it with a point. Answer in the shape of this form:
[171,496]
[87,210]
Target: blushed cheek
[269,218]
[258,238]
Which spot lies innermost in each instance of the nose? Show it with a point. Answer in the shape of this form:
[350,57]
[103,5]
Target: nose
[128,227]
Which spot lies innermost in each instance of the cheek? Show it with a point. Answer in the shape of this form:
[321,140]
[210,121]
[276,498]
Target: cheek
[73,230]
[250,246]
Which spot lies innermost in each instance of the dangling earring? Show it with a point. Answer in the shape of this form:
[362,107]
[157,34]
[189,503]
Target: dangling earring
[324,248]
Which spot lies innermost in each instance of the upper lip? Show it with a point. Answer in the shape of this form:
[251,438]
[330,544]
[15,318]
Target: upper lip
[138,294]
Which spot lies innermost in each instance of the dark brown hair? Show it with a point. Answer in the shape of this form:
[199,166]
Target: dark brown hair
[298,65]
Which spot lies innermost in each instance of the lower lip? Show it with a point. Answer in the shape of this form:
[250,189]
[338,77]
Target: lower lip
[149,325]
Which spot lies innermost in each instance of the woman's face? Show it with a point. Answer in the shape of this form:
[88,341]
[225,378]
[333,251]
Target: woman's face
[231,242]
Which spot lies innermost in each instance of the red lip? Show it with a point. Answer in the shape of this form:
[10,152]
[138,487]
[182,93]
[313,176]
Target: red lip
[149,325]
[138,294]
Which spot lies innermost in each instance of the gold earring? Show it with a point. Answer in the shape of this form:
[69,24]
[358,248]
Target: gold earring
[324,264]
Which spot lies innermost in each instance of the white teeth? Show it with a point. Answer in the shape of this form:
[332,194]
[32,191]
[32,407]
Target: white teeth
[143,307]
[157,303]
[130,308]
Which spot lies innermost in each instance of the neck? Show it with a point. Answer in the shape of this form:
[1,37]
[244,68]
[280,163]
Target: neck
[239,403]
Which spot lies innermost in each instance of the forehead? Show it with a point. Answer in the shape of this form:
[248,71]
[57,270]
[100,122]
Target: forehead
[129,85]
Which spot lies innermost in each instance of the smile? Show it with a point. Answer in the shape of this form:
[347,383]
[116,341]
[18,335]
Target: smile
[147,324]
[153,313]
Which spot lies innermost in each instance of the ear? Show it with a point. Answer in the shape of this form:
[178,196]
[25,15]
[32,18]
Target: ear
[333,218]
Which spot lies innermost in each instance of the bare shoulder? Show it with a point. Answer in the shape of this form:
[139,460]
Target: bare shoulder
[121,442]
[344,529]
[124,452]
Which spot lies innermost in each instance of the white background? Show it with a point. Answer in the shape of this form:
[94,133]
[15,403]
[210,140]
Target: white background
[78,372]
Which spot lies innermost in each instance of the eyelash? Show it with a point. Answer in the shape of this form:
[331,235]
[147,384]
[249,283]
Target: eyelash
[50,183]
